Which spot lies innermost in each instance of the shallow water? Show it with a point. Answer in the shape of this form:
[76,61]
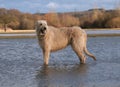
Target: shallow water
[21,65]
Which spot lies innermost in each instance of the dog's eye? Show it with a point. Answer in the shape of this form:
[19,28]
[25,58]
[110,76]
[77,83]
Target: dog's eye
[40,24]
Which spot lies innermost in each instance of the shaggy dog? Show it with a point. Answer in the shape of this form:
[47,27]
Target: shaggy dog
[53,39]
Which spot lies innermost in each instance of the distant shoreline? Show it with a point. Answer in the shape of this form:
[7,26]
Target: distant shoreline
[31,33]
[16,31]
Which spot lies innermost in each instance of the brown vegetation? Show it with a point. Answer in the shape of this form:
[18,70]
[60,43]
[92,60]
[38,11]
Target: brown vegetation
[52,19]
[113,23]
[69,20]
[95,18]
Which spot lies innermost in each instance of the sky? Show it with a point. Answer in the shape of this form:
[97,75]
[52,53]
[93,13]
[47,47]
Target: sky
[44,6]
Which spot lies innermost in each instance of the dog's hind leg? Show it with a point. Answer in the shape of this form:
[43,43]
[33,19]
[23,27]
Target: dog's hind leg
[79,51]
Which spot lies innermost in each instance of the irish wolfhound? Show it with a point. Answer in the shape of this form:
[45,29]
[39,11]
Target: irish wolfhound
[53,39]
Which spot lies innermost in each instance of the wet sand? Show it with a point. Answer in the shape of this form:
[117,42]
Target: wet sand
[21,65]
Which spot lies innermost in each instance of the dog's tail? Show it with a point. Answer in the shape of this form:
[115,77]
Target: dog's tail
[88,53]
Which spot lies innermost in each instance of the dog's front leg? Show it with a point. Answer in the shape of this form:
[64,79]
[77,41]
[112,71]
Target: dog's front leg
[46,54]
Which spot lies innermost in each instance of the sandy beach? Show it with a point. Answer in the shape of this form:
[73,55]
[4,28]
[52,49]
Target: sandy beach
[31,33]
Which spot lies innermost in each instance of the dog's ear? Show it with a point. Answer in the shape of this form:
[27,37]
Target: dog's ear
[36,24]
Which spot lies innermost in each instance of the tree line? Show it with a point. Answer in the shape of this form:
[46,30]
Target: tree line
[95,18]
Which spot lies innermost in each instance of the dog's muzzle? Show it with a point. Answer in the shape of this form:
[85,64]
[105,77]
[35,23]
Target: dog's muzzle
[41,31]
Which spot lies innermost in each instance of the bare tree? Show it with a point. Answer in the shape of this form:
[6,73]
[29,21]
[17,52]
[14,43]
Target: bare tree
[5,19]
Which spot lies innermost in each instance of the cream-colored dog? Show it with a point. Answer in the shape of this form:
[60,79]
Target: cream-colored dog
[53,39]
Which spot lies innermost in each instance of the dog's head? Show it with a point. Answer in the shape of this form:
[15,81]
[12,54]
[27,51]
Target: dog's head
[41,27]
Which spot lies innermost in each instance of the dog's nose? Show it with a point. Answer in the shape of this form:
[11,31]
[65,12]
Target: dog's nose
[44,28]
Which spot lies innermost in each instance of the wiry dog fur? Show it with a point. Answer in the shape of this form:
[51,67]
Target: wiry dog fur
[53,39]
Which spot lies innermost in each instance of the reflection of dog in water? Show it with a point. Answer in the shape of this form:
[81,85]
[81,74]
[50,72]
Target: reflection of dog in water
[53,39]
[59,76]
